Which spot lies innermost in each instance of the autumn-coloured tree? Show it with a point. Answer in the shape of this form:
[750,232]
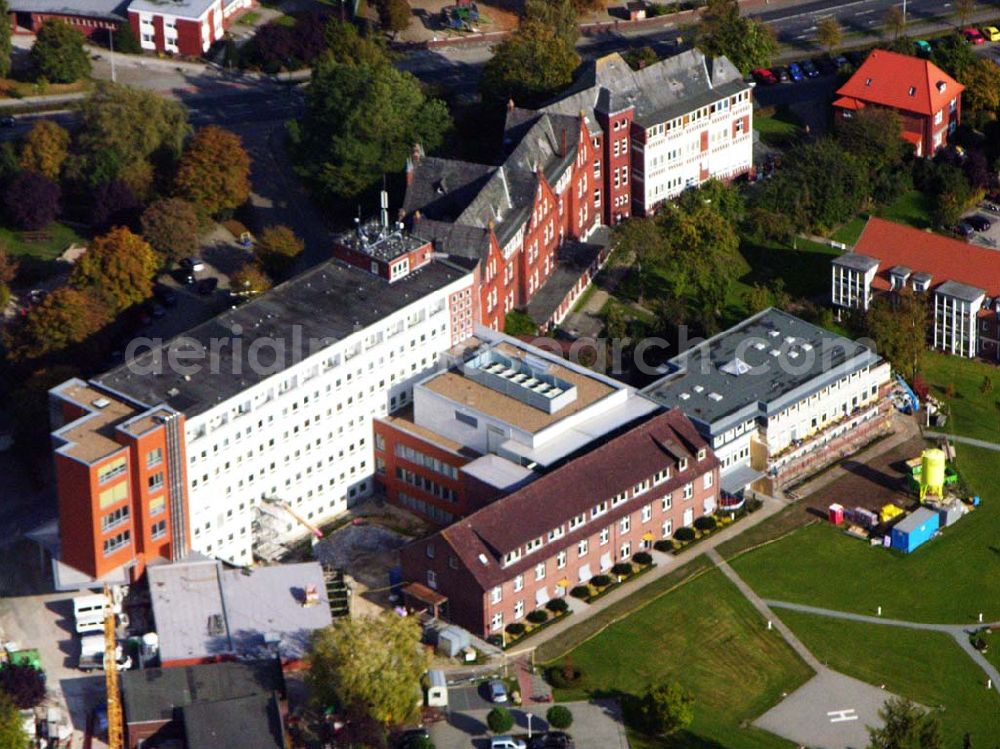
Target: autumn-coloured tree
[277,248]
[394,15]
[114,205]
[249,281]
[170,225]
[214,171]
[32,200]
[119,267]
[65,317]
[44,149]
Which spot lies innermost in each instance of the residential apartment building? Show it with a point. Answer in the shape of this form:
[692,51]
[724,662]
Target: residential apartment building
[927,100]
[961,282]
[661,129]
[272,404]
[500,563]
[185,27]
[500,414]
[777,398]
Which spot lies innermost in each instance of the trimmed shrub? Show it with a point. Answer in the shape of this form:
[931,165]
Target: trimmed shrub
[600,581]
[623,569]
[500,720]
[664,545]
[515,628]
[538,616]
[559,716]
[562,677]
[706,523]
[580,591]
[643,558]
[684,534]
[557,606]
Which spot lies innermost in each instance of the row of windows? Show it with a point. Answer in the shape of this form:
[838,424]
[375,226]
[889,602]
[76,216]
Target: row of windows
[424,508]
[431,487]
[119,541]
[415,456]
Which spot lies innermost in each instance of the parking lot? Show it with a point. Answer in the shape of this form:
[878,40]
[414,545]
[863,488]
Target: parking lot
[991,237]
[469,698]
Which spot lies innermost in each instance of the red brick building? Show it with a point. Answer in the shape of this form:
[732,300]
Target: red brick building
[184,27]
[89,17]
[567,526]
[928,100]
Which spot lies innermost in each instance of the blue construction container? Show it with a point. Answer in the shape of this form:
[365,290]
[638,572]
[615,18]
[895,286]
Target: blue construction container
[915,529]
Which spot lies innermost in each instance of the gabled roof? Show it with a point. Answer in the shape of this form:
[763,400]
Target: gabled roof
[574,488]
[945,259]
[549,143]
[442,188]
[902,82]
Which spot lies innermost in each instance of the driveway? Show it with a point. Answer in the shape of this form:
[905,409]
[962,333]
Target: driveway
[596,725]
[469,698]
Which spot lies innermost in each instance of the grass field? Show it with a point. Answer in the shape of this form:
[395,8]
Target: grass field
[973,413]
[850,232]
[58,238]
[927,667]
[780,130]
[913,208]
[822,566]
[707,636]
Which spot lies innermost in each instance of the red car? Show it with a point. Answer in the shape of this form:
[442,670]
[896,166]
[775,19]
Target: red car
[974,36]
[764,76]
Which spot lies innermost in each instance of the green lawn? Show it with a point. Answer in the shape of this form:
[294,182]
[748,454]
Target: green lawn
[950,580]
[249,19]
[973,413]
[850,232]
[913,208]
[707,636]
[927,667]
[59,237]
[779,130]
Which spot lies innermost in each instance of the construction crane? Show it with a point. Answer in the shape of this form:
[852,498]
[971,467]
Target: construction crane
[115,737]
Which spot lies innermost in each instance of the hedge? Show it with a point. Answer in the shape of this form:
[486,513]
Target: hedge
[624,569]
[557,606]
[642,558]
[580,591]
[684,534]
[600,581]
[515,628]
[705,523]
[537,616]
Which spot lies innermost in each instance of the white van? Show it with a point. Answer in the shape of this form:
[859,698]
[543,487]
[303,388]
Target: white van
[88,613]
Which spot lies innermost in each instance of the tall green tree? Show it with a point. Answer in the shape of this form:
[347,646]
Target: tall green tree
[6,45]
[558,15]
[529,66]
[171,227]
[954,55]
[119,268]
[905,726]
[898,325]
[362,122]
[346,45]
[58,54]
[12,735]
[829,34]
[747,43]
[982,88]
[214,171]
[394,15]
[371,665]
[666,708]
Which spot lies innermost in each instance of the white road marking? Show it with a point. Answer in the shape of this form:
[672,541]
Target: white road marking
[840,716]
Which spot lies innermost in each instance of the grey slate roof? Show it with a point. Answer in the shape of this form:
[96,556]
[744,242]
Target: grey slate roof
[959,290]
[181,8]
[112,10]
[329,301]
[442,188]
[504,201]
[862,263]
[252,722]
[549,143]
[573,259]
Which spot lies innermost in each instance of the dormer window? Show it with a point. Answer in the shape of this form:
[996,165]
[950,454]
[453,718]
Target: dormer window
[913,91]
[868,81]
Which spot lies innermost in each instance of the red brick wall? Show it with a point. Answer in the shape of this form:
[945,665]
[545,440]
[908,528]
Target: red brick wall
[621,163]
[86,26]
[466,607]
[188,37]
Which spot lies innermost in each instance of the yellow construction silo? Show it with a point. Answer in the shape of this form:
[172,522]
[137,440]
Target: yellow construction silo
[932,473]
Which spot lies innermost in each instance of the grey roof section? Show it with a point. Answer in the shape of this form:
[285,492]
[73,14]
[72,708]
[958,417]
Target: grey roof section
[961,291]
[739,478]
[504,202]
[112,10]
[441,189]
[658,92]
[180,8]
[252,722]
[326,303]
[915,519]
[862,263]
[789,359]
[456,240]
[921,277]
[499,472]
[203,609]
[573,259]
[900,270]
[549,144]
[157,694]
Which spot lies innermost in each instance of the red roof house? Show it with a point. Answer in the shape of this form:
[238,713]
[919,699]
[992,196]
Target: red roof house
[928,100]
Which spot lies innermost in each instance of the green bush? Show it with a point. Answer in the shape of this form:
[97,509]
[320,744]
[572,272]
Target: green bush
[643,558]
[600,581]
[500,720]
[684,535]
[4,295]
[562,677]
[422,742]
[515,629]
[557,606]
[664,545]
[622,569]
[559,717]
[538,616]
[706,523]
[580,591]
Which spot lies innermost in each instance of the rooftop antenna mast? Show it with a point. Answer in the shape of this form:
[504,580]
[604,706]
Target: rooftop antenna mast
[384,205]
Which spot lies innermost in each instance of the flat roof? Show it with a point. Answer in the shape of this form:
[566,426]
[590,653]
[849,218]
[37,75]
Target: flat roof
[915,519]
[573,259]
[379,242]
[204,609]
[112,10]
[499,472]
[252,722]
[403,419]
[475,396]
[325,304]
[91,437]
[762,364]
[855,261]
[180,8]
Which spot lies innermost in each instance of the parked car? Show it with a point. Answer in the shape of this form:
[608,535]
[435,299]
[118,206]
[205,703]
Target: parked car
[795,72]
[840,61]
[992,33]
[506,742]
[964,230]
[193,264]
[826,65]
[979,223]
[781,73]
[551,740]
[923,48]
[410,737]
[972,35]
[856,56]
[809,68]
[497,691]
[207,285]
[764,76]
[8,121]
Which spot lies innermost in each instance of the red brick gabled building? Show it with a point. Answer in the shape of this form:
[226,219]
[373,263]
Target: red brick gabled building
[513,556]
[928,100]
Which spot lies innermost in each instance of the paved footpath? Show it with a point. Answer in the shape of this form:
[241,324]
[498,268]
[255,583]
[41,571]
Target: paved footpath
[965,440]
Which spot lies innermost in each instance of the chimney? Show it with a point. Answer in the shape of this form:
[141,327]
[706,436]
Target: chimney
[510,105]
[409,172]
[418,153]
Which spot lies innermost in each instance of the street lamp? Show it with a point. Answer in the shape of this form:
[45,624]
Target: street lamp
[111,43]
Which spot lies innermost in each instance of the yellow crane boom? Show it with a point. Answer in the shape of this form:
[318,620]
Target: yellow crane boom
[115,729]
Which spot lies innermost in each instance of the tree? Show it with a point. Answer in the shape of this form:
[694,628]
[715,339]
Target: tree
[214,171]
[12,735]
[666,708]
[170,225]
[249,280]
[394,15]
[898,325]
[6,45]
[559,716]
[113,204]
[499,720]
[641,57]
[615,322]
[65,317]
[371,665]
[361,122]
[517,322]
[44,148]
[982,87]
[529,66]
[559,15]
[32,201]
[905,726]
[954,55]
[58,54]
[874,136]
[23,684]
[277,248]
[119,268]
[345,45]
[828,33]
[747,43]
[277,45]
[964,9]
[8,266]
[895,21]
[952,192]
[125,40]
